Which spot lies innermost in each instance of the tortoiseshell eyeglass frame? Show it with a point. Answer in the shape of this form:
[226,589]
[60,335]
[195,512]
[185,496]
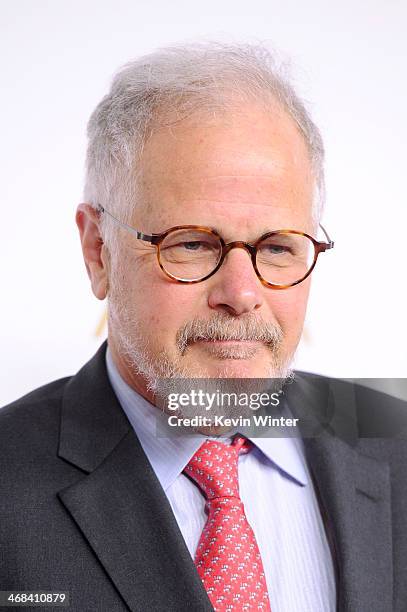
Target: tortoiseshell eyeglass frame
[156,240]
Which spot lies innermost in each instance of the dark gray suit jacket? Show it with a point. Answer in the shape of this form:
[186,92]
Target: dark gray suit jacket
[82,511]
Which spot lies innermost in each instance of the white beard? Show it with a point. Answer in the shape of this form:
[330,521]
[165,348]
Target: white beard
[165,374]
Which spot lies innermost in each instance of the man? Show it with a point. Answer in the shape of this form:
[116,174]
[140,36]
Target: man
[200,225]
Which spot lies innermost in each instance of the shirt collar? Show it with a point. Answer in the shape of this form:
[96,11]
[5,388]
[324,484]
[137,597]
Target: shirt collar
[168,456]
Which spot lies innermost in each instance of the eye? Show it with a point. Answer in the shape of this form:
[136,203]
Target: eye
[276,249]
[193,245]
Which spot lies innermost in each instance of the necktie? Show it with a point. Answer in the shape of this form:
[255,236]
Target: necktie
[227,557]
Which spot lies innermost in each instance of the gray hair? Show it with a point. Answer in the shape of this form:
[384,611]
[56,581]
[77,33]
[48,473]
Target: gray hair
[178,81]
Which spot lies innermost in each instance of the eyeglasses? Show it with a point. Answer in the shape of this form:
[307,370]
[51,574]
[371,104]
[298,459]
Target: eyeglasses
[192,253]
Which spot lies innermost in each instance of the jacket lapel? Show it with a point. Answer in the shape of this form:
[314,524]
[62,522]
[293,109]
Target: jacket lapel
[119,506]
[354,492]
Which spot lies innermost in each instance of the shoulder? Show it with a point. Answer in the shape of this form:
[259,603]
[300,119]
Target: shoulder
[31,419]
[370,398]
[42,396]
[378,419]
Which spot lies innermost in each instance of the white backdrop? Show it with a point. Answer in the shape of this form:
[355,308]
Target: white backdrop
[57,60]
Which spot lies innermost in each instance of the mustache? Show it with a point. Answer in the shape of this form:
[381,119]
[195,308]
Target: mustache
[223,327]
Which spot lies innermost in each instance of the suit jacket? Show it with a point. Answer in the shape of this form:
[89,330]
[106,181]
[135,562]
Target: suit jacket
[82,511]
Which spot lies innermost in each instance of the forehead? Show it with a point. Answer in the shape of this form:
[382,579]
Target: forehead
[242,166]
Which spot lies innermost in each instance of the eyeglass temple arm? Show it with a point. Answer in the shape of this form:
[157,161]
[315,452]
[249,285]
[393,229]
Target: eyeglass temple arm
[152,237]
[330,243]
[137,233]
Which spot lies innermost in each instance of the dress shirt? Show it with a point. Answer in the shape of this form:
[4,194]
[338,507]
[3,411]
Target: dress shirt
[278,495]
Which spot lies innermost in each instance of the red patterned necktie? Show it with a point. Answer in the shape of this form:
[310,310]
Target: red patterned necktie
[227,558]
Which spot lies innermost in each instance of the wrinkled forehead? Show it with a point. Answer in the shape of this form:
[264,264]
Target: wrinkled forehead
[251,164]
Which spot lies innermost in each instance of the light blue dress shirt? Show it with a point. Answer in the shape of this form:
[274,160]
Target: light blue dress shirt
[278,495]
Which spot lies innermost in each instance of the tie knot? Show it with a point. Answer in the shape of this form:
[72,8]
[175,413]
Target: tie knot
[214,467]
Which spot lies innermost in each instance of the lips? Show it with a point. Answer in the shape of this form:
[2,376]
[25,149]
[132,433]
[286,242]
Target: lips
[231,349]
[230,342]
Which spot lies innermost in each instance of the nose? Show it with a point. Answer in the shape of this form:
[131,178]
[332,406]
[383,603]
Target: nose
[235,287]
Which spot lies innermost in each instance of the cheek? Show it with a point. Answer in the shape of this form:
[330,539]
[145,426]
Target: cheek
[288,307]
[165,306]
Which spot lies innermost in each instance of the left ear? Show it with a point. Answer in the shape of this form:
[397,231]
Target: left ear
[87,220]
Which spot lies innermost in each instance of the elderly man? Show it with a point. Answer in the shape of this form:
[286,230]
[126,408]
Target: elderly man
[203,198]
